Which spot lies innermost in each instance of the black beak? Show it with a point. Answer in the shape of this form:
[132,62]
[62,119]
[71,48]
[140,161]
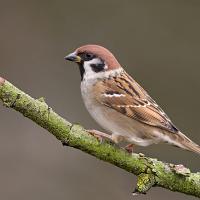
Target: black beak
[73,57]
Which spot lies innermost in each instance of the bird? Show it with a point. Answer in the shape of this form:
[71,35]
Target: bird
[120,105]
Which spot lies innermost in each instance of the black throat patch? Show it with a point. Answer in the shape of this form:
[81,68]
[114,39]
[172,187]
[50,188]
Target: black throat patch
[82,70]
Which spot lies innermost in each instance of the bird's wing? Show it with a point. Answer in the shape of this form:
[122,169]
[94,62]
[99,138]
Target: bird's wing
[126,96]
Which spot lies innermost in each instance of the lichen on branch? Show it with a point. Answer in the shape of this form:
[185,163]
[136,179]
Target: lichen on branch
[150,172]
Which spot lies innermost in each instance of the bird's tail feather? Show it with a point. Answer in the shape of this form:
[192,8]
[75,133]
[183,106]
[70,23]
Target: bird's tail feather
[185,143]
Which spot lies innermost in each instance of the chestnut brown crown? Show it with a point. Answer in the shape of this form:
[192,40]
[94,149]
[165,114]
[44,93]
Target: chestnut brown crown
[100,52]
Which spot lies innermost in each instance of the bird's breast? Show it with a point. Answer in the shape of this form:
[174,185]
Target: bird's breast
[111,120]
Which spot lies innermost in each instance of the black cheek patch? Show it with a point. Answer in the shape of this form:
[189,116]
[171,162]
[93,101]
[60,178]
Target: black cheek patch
[98,67]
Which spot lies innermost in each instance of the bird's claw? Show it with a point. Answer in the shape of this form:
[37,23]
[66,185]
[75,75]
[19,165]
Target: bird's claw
[100,136]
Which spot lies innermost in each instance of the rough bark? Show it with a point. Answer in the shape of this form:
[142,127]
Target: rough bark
[150,172]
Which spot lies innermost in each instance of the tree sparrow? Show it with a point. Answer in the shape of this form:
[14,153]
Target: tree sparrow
[120,105]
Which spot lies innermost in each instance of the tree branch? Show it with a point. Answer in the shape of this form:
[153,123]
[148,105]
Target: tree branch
[150,172]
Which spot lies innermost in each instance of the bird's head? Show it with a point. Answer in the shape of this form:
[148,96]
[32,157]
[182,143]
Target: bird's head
[93,60]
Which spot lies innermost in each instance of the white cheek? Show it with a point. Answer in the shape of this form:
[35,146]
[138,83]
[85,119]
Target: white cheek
[88,68]
[89,73]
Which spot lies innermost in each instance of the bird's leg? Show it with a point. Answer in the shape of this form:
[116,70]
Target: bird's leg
[114,138]
[100,135]
[129,148]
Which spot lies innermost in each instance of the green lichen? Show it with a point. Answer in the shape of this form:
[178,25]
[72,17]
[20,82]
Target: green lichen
[145,182]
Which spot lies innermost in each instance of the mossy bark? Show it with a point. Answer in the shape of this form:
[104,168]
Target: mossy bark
[150,172]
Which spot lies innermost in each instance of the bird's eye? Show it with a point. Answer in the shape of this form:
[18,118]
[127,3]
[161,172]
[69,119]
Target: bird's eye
[88,56]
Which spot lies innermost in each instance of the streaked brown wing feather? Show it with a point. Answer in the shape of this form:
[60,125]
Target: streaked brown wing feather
[126,96]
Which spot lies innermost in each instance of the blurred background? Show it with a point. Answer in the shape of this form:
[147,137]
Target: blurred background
[157,42]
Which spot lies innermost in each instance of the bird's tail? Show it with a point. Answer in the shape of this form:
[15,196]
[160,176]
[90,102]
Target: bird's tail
[185,143]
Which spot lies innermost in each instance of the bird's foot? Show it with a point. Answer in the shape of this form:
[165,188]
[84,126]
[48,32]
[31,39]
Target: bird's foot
[129,148]
[100,136]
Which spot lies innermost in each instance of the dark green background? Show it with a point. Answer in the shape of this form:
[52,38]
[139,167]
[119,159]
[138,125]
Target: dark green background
[157,42]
